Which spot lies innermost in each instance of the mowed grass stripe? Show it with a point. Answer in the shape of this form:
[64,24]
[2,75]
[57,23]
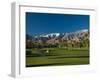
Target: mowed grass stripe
[60,61]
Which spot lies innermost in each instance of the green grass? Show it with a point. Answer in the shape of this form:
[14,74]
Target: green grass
[58,56]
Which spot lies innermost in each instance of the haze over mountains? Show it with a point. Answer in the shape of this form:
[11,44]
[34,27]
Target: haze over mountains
[57,38]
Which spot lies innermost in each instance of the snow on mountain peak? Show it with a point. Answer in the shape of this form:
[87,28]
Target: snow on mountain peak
[51,35]
[62,34]
[84,30]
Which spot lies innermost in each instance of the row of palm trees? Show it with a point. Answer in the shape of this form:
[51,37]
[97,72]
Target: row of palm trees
[64,44]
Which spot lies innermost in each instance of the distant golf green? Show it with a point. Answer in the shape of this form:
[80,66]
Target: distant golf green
[56,56]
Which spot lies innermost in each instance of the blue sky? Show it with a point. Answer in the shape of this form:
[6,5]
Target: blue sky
[40,23]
